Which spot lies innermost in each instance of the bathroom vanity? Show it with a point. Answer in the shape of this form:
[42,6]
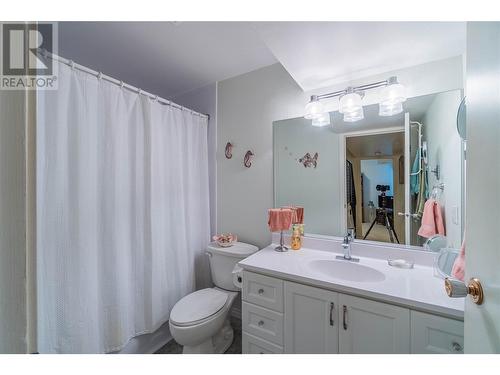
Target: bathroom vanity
[371,178]
[306,301]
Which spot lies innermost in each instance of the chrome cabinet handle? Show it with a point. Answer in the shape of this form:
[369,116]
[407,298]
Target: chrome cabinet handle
[332,306]
[456,347]
[344,317]
[260,323]
[260,291]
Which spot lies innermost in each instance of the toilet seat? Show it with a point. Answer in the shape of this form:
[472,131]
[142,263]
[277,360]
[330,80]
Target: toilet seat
[197,307]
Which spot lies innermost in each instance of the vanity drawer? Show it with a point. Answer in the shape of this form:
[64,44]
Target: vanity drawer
[254,345]
[436,334]
[263,323]
[263,291]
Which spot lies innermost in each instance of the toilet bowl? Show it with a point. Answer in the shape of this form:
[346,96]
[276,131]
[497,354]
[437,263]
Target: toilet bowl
[200,320]
[196,332]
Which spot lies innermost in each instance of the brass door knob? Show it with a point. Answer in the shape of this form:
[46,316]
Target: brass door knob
[456,289]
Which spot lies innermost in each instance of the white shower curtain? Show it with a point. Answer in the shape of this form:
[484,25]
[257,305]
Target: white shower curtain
[122,213]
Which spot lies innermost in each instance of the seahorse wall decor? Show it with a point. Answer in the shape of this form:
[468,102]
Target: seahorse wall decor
[308,162]
[247,160]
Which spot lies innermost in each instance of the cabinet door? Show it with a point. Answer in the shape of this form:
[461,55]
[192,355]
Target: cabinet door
[311,324]
[435,334]
[372,327]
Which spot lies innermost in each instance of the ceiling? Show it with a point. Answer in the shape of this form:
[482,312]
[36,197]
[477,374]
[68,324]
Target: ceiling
[165,58]
[172,58]
[320,54]
[378,145]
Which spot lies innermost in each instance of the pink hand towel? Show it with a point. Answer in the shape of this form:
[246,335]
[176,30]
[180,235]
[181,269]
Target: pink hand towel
[279,219]
[458,269]
[432,220]
[298,214]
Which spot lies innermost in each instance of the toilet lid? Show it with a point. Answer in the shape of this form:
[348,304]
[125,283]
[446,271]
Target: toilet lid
[198,306]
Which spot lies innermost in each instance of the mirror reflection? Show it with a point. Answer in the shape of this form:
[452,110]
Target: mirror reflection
[375,186]
[396,179]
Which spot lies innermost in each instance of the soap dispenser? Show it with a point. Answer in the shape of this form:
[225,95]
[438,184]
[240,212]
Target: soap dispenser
[296,241]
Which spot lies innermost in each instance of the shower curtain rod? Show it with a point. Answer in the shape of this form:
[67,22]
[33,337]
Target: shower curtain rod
[117,82]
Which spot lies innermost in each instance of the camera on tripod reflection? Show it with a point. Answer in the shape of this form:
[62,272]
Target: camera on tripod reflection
[382,198]
[383,188]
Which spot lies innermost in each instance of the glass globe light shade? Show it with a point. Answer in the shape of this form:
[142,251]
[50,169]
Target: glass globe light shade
[314,109]
[354,116]
[323,120]
[350,102]
[391,98]
[390,109]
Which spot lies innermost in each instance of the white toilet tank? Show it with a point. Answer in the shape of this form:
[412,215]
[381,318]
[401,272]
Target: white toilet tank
[223,260]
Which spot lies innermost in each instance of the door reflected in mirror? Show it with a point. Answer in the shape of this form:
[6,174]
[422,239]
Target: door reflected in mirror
[373,186]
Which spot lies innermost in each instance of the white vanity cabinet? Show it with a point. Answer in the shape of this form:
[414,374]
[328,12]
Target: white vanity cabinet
[262,314]
[287,317]
[432,334]
[311,320]
[370,327]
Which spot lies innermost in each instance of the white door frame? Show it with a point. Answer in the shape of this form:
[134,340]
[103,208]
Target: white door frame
[407,178]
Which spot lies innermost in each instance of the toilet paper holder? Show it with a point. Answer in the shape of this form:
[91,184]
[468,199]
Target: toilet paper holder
[238,276]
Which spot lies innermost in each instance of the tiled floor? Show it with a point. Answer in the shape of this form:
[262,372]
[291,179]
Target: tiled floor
[173,348]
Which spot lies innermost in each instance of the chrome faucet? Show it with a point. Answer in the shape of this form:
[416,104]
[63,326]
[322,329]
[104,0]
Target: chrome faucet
[346,245]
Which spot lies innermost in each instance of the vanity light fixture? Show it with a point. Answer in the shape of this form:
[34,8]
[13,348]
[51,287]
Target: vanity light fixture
[350,105]
[392,97]
[314,109]
[323,120]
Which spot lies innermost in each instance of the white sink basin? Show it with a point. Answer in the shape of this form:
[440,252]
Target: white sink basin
[344,270]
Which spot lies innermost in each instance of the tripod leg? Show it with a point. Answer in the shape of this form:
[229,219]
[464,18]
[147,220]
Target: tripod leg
[388,227]
[371,226]
[393,231]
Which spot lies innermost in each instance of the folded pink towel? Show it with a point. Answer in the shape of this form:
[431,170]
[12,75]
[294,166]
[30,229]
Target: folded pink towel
[458,270]
[298,214]
[280,219]
[432,220]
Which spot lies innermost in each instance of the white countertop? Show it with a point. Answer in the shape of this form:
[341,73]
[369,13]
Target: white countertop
[415,288]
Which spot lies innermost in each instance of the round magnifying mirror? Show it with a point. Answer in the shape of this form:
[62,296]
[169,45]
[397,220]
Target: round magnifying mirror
[461,120]
[435,243]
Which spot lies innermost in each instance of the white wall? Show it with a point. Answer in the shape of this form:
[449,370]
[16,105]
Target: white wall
[376,172]
[315,189]
[444,148]
[247,106]
[13,309]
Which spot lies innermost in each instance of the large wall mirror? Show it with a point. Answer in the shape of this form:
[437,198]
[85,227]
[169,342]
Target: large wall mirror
[376,175]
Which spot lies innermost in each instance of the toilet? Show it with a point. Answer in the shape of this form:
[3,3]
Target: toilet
[200,320]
